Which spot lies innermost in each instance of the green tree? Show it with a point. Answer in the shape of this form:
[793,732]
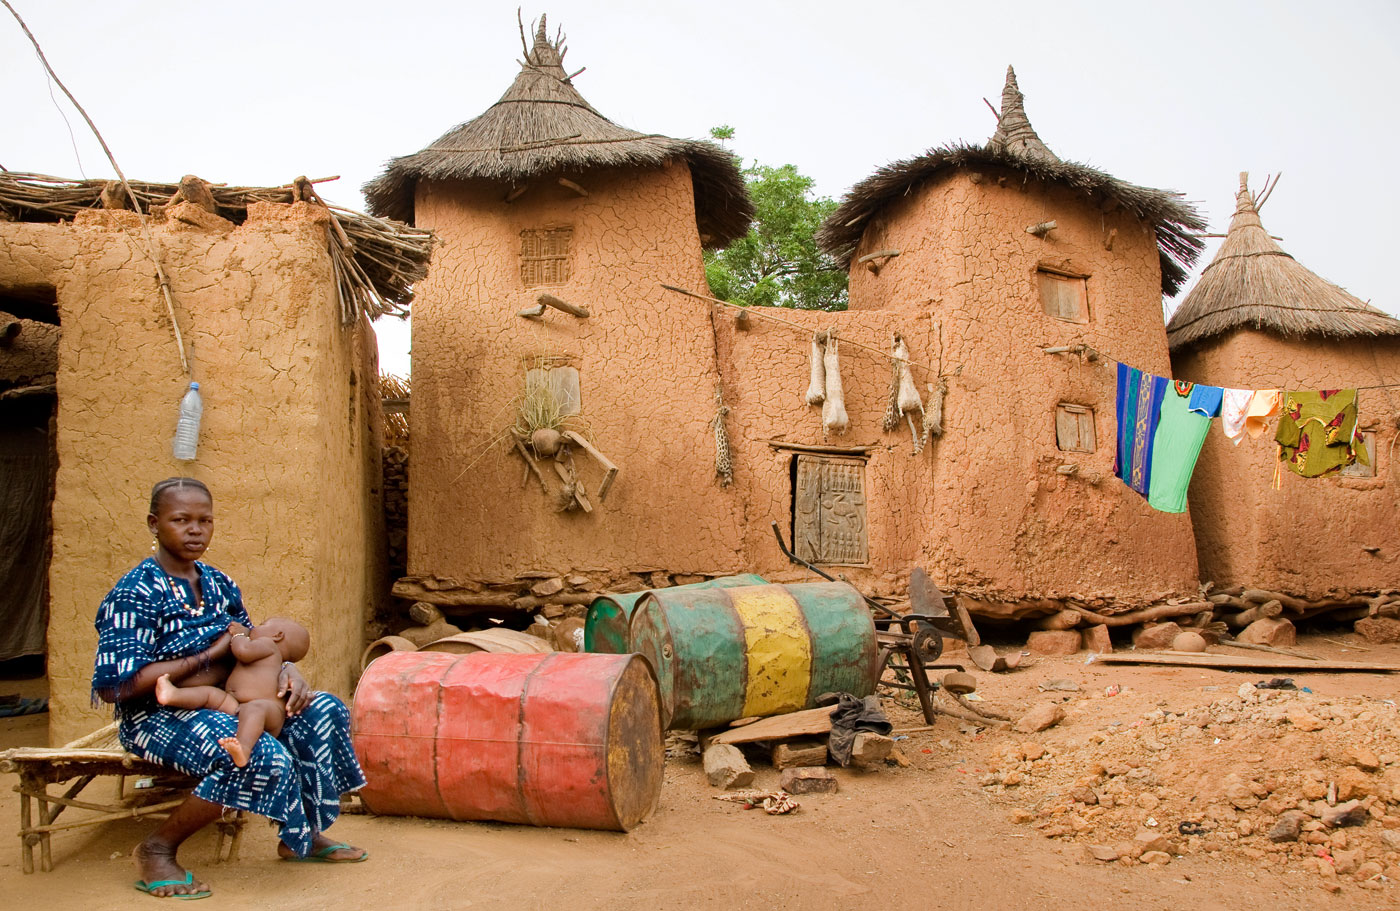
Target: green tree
[777,264]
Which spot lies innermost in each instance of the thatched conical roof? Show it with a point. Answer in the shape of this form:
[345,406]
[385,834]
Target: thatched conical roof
[542,125]
[1016,146]
[1253,283]
[1014,131]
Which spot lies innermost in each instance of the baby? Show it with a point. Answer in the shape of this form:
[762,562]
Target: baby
[251,689]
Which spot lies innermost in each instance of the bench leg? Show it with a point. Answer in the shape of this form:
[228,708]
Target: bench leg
[45,856]
[26,838]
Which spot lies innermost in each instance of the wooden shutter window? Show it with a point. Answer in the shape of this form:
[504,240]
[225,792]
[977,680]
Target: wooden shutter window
[1356,469]
[828,510]
[544,256]
[1074,428]
[1063,296]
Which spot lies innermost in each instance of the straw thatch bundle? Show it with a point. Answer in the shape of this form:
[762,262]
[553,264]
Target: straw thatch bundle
[392,386]
[541,126]
[1253,283]
[375,271]
[1016,147]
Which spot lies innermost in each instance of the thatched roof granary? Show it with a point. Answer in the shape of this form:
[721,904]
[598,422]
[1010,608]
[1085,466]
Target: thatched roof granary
[542,125]
[1252,282]
[1016,146]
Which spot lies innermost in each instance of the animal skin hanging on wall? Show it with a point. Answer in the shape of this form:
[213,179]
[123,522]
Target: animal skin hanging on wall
[909,402]
[816,387]
[834,418]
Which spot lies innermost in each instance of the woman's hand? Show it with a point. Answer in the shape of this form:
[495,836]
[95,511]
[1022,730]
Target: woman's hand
[219,648]
[298,691]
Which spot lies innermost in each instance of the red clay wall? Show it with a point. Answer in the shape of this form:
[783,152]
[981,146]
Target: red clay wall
[1308,537]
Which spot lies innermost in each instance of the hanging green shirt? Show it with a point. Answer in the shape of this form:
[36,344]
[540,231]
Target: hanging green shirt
[1175,447]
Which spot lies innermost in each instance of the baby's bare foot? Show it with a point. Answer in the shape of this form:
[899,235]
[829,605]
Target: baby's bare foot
[164,689]
[235,749]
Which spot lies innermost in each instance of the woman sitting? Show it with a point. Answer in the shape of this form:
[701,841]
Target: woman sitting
[170,616]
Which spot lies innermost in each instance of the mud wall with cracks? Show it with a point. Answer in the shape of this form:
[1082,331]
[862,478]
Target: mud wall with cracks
[1311,537]
[283,436]
[647,382]
[1006,527]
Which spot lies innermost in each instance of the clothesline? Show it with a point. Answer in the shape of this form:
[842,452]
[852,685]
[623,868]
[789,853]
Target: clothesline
[1107,359]
[1078,348]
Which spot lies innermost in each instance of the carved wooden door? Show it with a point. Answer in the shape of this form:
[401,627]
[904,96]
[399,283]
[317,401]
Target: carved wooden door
[829,510]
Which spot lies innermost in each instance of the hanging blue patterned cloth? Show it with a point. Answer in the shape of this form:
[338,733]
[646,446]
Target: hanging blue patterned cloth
[295,779]
[1138,410]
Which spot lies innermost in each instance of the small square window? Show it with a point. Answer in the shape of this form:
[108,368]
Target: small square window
[562,383]
[544,256]
[1074,428]
[1356,469]
[1063,296]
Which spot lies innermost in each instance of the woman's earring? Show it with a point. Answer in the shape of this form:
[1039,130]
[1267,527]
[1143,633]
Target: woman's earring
[153,543]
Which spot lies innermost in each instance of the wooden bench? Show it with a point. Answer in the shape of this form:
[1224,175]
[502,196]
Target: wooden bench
[99,754]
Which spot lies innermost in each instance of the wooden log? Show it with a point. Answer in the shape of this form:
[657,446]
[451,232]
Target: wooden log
[797,753]
[413,591]
[535,602]
[1261,596]
[570,185]
[1267,610]
[870,748]
[535,313]
[1065,619]
[1146,615]
[1267,648]
[516,193]
[550,300]
[531,466]
[1242,662]
[1042,229]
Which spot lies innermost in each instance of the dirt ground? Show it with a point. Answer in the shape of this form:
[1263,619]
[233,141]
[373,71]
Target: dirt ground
[939,833]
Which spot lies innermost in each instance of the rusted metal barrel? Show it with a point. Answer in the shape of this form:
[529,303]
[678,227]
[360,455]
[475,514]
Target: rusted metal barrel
[609,615]
[556,739]
[722,654]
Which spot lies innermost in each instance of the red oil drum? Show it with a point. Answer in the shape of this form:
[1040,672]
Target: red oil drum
[556,739]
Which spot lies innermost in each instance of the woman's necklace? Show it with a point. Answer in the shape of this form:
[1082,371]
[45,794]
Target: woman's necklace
[195,603]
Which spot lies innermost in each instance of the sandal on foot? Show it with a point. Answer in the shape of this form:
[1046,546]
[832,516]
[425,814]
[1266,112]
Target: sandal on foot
[149,888]
[323,856]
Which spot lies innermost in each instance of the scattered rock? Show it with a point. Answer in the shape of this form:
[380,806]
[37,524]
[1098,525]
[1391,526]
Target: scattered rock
[1368,870]
[1352,782]
[726,767]
[1096,639]
[1030,750]
[1275,632]
[808,780]
[1156,635]
[1053,642]
[1149,840]
[1351,813]
[1189,641]
[1302,719]
[1378,629]
[1043,716]
[1105,853]
[547,587]
[1287,827]
[1155,857]
[1345,862]
[1362,758]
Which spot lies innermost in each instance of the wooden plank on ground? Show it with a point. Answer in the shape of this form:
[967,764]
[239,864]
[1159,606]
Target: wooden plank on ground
[780,727]
[1248,663]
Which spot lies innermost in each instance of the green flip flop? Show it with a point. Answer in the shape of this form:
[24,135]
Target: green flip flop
[149,888]
[323,856]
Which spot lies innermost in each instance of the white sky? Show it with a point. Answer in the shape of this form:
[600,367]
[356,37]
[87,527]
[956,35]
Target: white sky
[1180,96]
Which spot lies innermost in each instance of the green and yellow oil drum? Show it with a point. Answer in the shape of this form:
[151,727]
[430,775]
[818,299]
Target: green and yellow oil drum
[754,650]
[605,630]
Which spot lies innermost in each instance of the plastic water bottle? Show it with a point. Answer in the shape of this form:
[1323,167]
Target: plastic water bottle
[187,430]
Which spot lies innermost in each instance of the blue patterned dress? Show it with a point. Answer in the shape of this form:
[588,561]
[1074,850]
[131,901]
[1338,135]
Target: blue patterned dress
[295,779]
